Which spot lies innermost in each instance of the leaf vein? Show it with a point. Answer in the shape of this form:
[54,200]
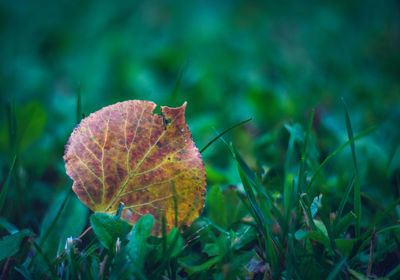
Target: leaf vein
[152,184]
[102,160]
[90,151]
[87,167]
[83,185]
[133,139]
[149,202]
[136,168]
[92,136]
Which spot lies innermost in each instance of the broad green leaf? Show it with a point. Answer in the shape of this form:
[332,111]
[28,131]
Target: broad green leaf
[126,153]
[174,242]
[345,246]
[211,249]
[321,227]
[234,206]
[192,269]
[319,237]
[10,244]
[217,207]
[138,248]
[109,228]
[300,234]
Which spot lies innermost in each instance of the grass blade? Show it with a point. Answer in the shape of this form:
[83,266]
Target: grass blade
[357,187]
[395,271]
[377,220]
[53,223]
[344,223]
[46,260]
[289,196]
[335,271]
[255,210]
[338,150]
[308,214]
[224,132]
[249,173]
[6,185]
[303,153]
[12,128]
[343,202]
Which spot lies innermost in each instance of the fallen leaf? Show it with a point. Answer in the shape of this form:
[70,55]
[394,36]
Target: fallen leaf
[127,153]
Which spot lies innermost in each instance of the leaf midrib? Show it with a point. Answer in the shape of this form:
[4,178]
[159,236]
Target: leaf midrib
[131,175]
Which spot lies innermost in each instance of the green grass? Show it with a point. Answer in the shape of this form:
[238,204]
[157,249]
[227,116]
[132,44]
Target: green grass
[290,237]
[302,183]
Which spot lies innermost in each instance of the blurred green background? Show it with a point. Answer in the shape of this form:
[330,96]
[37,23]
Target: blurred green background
[272,61]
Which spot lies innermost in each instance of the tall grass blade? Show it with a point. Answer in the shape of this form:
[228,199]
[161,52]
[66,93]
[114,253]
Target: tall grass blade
[336,270]
[308,214]
[327,224]
[394,272]
[338,150]
[4,191]
[15,149]
[12,128]
[274,210]
[167,249]
[357,187]
[377,220]
[46,260]
[265,201]
[23,272]
[224,132]
[303,153]
[343,224]
[289,195]
[258,215]
[343,201]
[249,173]
[54,222]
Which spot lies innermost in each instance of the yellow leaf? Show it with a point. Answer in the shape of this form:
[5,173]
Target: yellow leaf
[126,153]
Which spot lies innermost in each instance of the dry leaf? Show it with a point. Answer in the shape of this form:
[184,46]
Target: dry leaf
[126,153]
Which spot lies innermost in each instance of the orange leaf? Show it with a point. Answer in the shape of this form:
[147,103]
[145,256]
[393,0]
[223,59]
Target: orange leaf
[126,153]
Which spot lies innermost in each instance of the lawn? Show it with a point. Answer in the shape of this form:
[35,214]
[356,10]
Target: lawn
[294,108]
